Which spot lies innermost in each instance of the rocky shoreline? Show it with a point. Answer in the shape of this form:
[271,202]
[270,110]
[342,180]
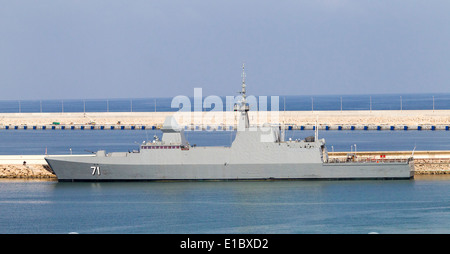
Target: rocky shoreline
[432,166]
[32,171]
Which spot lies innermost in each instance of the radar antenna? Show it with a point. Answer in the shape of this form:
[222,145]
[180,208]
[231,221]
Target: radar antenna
[242,106]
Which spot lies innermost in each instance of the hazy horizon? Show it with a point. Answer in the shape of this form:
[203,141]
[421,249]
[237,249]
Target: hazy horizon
[249,94]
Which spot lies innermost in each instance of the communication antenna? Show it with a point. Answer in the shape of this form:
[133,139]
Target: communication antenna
[242,105]
[243,82]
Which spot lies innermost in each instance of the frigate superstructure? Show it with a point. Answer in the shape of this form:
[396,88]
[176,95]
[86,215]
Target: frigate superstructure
[257,153]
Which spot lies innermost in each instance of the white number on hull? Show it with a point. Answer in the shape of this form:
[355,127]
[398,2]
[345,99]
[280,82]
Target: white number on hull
[95,169]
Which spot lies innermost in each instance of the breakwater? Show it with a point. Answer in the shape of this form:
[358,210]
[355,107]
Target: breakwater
[25,166]
[32,171]
[301,120]
[425,163]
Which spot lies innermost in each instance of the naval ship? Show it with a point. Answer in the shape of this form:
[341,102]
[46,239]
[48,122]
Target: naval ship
[255,154]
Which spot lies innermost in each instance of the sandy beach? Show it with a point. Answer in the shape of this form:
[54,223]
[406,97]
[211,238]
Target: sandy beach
[382,117]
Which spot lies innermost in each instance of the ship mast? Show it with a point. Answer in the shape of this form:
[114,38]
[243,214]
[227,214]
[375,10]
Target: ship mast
[242,105]
[243,83]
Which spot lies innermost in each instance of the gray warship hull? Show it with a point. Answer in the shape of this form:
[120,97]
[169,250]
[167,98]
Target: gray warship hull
[67,170]
[276,161]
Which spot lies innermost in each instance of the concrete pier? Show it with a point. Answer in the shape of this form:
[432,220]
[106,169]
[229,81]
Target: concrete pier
[391,120]
[25,166]
[425,162]
[229,127]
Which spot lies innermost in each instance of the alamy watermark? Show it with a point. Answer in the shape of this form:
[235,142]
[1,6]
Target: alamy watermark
[205,113]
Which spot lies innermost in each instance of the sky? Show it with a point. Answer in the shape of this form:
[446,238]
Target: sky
[91,49]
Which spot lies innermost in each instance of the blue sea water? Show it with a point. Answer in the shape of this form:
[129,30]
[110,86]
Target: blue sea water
[288,103]
[23,142]
[266,207]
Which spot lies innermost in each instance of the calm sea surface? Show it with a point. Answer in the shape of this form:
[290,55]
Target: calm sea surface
[407,206]
[22,142]
[292,102]
[362,207]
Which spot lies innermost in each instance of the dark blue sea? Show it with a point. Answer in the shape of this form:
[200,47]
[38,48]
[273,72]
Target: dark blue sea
[414,206]
[288,103]
[23,142]
[266,207]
